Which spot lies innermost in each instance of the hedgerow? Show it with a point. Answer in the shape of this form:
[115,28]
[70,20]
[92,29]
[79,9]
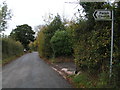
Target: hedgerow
[11,48]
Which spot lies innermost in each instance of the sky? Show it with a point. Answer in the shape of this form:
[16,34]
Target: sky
[33,12]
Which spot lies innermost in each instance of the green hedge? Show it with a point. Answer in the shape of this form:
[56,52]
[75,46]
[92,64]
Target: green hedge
[41,43]
[92,51]
[11,48]
[61,43]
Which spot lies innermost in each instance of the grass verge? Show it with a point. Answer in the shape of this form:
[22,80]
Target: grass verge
[10,59]
[84,80]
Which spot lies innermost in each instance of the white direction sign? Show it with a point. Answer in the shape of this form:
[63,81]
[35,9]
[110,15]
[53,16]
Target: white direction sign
[102,15]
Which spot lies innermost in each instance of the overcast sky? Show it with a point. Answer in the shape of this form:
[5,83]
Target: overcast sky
[32,12]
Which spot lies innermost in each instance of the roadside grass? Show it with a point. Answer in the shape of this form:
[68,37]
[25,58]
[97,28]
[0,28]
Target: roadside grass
[10,59]
[0,62]
[83,80]
[52,60]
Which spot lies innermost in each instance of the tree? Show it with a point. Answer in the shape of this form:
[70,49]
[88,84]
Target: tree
[24,34]
[5,15]
[41,42]
[89,9]
[33,46]
[11,48]
[92,49]
[61,43]
[117,44]
[49,31]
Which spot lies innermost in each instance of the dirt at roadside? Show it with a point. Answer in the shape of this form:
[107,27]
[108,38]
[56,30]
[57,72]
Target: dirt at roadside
[68,67]
[64,64]
[64,68]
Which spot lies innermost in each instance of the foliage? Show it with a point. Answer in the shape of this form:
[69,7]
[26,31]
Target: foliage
[90,41]
[89,9]
[10,48]
[33,46]
[41,41]
[23,34]
[10,59]
[61,43]
[93,50]
[45,35]
[83,80]
[5,15]
[103,81]
[116,64]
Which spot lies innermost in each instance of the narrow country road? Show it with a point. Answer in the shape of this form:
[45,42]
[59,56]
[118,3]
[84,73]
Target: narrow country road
[29,71]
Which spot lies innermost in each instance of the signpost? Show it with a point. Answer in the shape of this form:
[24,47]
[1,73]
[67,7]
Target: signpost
[106,15]
[102,15]
[111,43]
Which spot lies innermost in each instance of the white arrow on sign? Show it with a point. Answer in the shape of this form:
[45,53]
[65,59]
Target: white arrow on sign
[102,15]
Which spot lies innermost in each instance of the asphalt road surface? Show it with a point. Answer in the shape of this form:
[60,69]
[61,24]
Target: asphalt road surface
[29,71]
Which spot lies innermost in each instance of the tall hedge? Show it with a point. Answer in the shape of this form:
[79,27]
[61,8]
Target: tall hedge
[92,51]
[11,48]
[61,43]
[45,35]
[41,42]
